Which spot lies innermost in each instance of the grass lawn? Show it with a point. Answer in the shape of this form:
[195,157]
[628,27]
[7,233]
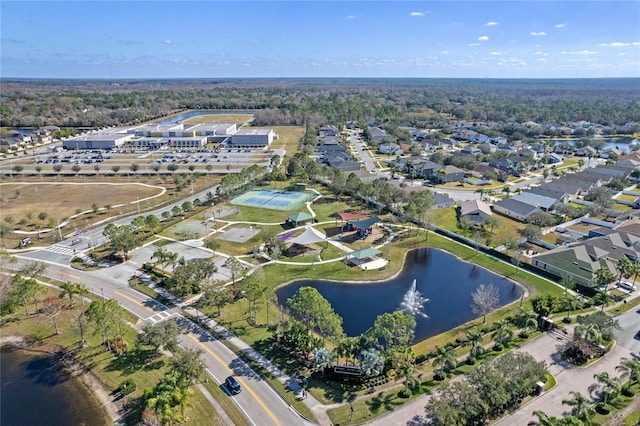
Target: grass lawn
[507,228]
[627,197]
[219,118]
[289,138]
[620,402]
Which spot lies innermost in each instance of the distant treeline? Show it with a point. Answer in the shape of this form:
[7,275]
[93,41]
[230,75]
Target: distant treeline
[97,103]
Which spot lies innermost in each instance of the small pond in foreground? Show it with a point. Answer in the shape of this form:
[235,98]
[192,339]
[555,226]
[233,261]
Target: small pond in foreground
[36,392]
[444,279]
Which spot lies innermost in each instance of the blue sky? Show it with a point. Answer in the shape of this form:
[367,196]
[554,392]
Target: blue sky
[220,39]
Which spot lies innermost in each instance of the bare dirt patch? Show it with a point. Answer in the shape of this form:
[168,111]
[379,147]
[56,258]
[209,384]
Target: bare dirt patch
[62,199]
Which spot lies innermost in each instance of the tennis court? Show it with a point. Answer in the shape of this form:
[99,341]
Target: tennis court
[273,199]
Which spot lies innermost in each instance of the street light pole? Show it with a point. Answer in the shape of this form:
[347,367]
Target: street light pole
[59,231]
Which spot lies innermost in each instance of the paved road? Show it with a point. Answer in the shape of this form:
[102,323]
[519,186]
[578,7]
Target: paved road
[258,401]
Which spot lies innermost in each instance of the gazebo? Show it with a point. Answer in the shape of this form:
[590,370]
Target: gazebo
[307,238]
[299,218]
[367,258]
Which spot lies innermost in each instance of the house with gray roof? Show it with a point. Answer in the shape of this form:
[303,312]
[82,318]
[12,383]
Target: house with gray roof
[442,201]
[581,260]
[452,174]
[548,191]
[544,203]
[515,209]
[475,211]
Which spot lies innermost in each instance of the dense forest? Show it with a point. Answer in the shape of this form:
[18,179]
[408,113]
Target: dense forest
[97,103]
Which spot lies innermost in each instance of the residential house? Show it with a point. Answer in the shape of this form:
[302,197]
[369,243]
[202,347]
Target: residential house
[390,148]
[611,153]
[586,151]
[379,136]
[452,174]
[544,203]
[442,201]
[470,150]
[581,260]
[553,158]
[515,209]
[329,130]
[475,211]
[548,191]
[428,169]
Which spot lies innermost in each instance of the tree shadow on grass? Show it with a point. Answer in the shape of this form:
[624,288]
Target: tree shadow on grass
[382,401]
[134,360]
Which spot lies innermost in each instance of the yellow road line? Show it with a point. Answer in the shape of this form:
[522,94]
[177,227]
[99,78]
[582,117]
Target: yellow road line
[135,301]
[262,404]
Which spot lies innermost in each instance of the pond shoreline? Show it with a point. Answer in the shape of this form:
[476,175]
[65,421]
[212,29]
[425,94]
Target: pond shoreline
[101,393]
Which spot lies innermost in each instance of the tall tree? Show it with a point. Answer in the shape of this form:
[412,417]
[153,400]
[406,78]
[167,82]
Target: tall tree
[486,298]
[308,306]
[394,330]
[121,238]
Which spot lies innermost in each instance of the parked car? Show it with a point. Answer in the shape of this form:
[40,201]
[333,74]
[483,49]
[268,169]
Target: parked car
[232,385]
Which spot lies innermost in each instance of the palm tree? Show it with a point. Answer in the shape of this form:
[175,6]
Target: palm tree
[70,289]
[445,358]
[603,297]
[582,408]
[502,331]
[474,338]
[629,368]
[635,271]
[607,385]
[571,304]
[603,277]
[590,332]
[323,358]
[160,255]
[624,268]
[371,362]
[527,319]
[81,290]
[543,420]
[567,282]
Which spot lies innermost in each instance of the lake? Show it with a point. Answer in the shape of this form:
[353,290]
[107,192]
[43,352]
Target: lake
[445,280]
[35,392]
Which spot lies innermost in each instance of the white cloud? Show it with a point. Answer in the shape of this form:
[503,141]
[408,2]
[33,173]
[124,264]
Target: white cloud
[167,41]
[491,24]
[483,38]
[620,44]
[351,17]
[538,34]
[416,14]
[496,53]
[474,44]
[445,52]
[579,52]
[564,24]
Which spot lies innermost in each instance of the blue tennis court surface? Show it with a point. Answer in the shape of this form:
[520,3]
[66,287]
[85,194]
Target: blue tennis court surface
[273,199]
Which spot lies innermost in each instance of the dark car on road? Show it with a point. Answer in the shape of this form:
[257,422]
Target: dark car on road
[232,385]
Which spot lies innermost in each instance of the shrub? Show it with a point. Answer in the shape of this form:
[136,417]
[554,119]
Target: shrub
[126,387]
[497,347]
[405,393]
[566,320]
[601,408]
